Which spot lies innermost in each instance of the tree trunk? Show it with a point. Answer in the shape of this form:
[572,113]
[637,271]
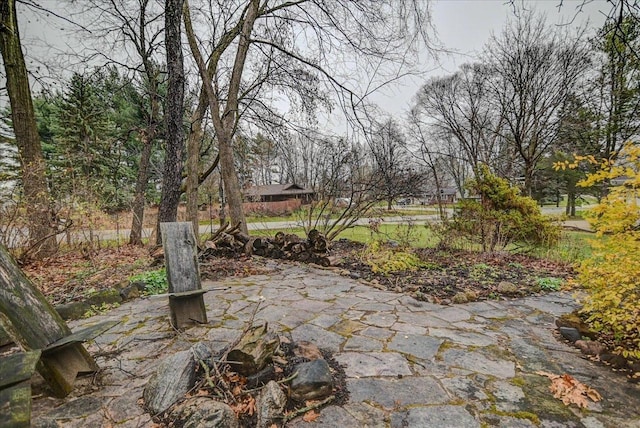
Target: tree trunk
[529,170]
[42,240]
[148,137]
[172,178]
[193,157]
[135,238]
[232,190]
[225,121]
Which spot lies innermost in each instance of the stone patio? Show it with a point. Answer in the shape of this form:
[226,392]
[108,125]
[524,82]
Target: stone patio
[408,363]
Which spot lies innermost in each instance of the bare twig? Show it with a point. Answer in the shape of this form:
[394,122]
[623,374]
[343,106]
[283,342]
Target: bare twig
[297,412]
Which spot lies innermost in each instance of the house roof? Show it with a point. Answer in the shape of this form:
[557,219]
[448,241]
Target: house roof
[277,189]
[444,191]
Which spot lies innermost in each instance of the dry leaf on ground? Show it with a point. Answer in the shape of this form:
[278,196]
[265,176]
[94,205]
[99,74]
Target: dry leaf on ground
[570,390]
[311,416]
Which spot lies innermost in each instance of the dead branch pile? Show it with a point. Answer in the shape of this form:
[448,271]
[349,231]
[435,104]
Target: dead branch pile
[282,246]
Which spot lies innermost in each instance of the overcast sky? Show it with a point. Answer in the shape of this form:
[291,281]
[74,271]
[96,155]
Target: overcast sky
[463,26]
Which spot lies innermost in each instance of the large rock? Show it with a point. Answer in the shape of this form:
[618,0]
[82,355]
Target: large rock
[203,412]
[570,333]
[313,382]
[271,404]
[174,377]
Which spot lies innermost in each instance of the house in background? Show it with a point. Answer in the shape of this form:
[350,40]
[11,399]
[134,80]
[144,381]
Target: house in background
[278,193]
[448,195]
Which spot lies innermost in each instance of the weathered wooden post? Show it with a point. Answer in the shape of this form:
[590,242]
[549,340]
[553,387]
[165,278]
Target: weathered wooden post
[31,321]
[15,388]
[183,274]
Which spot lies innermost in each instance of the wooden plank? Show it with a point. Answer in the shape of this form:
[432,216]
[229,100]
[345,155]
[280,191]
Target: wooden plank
[188,293]
[63,365]
[82,335]
[180,255]
[183,274]
[15,406]
[187,310]
[17,368]
[31,321]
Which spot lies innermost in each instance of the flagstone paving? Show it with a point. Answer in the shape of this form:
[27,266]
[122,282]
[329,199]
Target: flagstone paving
[408,363]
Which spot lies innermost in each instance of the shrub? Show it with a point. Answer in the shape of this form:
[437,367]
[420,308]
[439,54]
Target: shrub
[611,274]
[501,216]
[385,259]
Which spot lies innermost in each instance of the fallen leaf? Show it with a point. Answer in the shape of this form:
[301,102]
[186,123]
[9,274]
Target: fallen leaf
[570,390]
[311,416]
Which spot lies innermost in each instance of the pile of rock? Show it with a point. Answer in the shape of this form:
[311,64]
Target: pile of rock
[578,333]
[260,380]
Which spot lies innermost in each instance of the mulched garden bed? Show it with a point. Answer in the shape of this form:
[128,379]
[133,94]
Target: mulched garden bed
[458,276]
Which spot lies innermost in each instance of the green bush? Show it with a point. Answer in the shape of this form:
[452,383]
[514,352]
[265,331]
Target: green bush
[500,217]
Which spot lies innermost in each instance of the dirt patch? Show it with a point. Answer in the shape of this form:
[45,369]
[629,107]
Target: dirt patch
[72,276]
[457,276]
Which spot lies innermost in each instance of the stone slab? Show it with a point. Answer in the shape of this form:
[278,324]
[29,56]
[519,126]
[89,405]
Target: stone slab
[397,393]
[423,347]
[357,365]
[435,416]
[479,363]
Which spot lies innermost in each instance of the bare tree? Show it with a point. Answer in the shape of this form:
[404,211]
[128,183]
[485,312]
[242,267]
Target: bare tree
[346,188]
[396,176]
[459,107]
[42,239]
[296,41]
[428,153]
[535,68]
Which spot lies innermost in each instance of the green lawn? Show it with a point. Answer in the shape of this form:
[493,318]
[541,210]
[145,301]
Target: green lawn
[573,246]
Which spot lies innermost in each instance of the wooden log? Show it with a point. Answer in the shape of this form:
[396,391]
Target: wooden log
[217,233]
[320,245]
[242,237]
[303,256]
[32,322]
[183,275]
[322,261]
[260,243]
[253,351]
[298,248]
[249,248]
[279,239]
[313,235]
[289,241]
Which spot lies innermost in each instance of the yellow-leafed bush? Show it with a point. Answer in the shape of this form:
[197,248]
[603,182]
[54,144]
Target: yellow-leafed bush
[611,276]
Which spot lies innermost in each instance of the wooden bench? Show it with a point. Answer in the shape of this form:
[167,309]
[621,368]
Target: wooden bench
[15,388]
[34,324]
[186,301]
